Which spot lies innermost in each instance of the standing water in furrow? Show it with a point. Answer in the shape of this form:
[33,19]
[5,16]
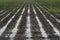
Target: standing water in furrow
[5,26]
[7,15]
[28,33]
[43,32]
[55,18]
[52,25]
[10,27]
[1,11]
[15,29]
[58,15]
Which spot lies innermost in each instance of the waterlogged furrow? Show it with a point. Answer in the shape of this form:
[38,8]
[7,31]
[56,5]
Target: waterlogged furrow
[28,25]
[58,15]
[15,29]
[6,15]
[2,11]
[44,34]
[55,18]
[43,8]
[28,30]
[51,14]
[5,26]
[55,29]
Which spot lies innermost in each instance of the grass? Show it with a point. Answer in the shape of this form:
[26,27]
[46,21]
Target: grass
[10,3]
[53,10]
[52,5]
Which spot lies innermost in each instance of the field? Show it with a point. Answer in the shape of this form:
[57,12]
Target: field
[51,5]
[29,20]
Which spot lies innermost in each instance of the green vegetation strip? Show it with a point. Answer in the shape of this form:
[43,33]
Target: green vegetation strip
[52,5]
